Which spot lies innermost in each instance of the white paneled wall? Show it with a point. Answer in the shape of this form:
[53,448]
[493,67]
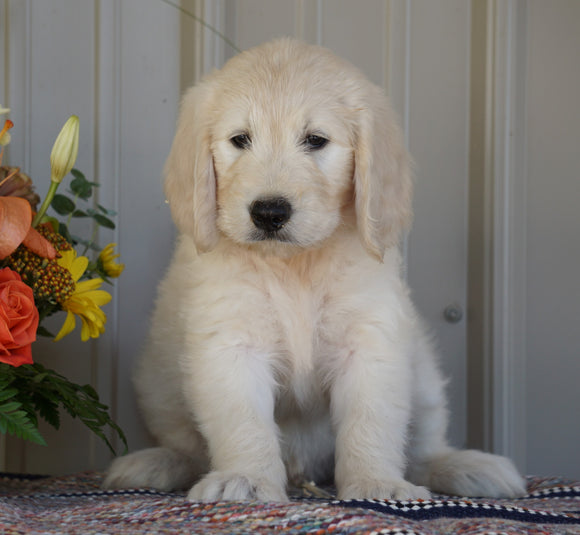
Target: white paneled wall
[121,65]
[552,246]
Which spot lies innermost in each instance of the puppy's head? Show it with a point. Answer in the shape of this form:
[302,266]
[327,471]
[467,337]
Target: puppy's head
[283,147]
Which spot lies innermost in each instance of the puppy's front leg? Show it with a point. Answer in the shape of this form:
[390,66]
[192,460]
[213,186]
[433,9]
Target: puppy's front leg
[370,406]
[232,392]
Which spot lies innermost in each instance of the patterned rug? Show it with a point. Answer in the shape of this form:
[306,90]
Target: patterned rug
[76,504]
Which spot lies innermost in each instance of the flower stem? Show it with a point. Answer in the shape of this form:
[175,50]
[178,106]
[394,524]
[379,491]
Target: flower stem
[69,219]
[45,203]
[92,240]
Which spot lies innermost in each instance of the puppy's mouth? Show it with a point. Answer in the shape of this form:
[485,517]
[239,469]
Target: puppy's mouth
[279,236]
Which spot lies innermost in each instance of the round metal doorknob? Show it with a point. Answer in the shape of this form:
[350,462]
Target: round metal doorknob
[453,313]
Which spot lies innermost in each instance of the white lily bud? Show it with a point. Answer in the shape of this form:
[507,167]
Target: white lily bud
[65,150]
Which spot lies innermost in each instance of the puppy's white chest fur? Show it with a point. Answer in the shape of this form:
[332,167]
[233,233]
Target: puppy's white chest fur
[295,306]
[298,310]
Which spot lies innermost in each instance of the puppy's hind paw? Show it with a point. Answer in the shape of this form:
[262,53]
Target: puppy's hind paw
[397,489]
[229,486]
[158,468]
[473,473]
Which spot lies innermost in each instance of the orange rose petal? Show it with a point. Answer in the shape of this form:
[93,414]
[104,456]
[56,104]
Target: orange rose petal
[39,244]
[18,357]
[15,219]
[19,319]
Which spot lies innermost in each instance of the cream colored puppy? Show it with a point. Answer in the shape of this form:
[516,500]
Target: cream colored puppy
[284,345]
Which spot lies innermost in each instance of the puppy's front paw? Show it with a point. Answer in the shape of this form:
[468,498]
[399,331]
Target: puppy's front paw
[229,486]
[396,489]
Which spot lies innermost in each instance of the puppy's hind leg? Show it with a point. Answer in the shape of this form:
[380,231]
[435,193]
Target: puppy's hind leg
[437,466]
[159,468]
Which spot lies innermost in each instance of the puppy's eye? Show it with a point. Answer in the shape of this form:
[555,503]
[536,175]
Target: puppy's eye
[241,141]
[314,142]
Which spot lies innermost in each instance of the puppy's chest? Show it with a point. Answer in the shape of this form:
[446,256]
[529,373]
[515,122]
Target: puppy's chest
[301,318]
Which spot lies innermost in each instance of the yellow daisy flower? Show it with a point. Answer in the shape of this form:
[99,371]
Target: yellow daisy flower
[85,300]
[107,259]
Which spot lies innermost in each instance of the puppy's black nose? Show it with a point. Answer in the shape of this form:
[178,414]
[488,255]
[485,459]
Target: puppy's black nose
[270,214]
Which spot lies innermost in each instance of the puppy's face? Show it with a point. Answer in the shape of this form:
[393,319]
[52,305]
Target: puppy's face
[282,148]
[283,161]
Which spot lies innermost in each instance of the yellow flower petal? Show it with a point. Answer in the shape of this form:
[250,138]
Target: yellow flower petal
[67,327]
[86,330]
[99,297]
[88,285]
[107,258]
[85,301]
[78,267]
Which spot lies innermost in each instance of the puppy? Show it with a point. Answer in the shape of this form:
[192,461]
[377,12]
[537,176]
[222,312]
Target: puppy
[284,346]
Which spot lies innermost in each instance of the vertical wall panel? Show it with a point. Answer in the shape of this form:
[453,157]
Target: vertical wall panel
[553,238]
[16,59]
[3,52]
[107,174]
[257,21]
[438,140]
[357,31]
[150,84]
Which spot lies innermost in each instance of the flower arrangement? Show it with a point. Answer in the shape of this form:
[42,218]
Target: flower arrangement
[41,274]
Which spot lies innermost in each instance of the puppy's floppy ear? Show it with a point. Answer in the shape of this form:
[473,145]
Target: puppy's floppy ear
[190,182]
[383,186]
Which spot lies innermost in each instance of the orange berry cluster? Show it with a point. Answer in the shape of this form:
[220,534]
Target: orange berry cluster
[48,280]
[57,240]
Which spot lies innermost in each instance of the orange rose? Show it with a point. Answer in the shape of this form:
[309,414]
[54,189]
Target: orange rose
[18,319]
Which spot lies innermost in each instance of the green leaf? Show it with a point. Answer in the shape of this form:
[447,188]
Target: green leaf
[79,213]
[39,377]
[91,392]
[7,394]
[43,331]
[62,205]
[10,406]
[6,375]
[47,409]
[77,174]
[14,421]
[54,222]
[64,232]
[87,243]
[81,187]
[104,221]
[33,389]
[106,211]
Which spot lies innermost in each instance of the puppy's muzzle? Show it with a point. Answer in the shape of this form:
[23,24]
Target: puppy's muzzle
[270,215]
